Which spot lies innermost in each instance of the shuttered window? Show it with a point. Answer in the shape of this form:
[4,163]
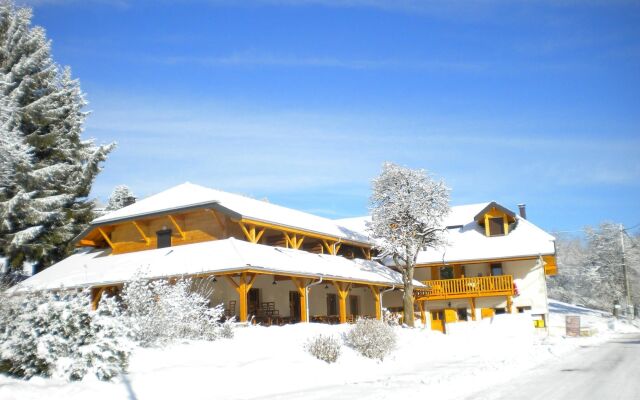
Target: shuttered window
[164,238]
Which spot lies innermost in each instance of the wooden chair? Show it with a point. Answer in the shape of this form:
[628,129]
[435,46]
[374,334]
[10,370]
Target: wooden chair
[230,310]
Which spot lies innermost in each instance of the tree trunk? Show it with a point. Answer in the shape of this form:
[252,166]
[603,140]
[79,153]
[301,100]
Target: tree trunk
[407,299]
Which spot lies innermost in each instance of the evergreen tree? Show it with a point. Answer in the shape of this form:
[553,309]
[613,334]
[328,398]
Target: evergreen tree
[44,207]
[121,196]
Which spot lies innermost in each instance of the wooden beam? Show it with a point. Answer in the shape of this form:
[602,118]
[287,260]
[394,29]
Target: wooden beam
[375,291]
[509,304]
[292,230]
[175,224]
[87,242]
[146,239]
[242,288]
[96,295]
[343,291]
[472,304]
[423,317]
[301,285]
[259,235]
[366,253]
[106,238]
[248,233]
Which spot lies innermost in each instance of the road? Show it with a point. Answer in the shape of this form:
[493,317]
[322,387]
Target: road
[609,371]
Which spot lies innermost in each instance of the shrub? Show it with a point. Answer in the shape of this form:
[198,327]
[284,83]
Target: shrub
[371,338]
[159,312]
[325,348]
[59,335]
[226,330]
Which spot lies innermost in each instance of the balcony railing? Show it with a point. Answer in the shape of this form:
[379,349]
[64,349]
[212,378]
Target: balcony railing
[485,286]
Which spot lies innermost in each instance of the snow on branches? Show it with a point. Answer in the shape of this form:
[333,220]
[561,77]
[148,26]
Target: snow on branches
[59,335]
[121,197]
[407,209]
[161,311]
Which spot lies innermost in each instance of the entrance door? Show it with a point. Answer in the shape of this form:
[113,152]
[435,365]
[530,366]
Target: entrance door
[294,306]
[437,320]
[253,301]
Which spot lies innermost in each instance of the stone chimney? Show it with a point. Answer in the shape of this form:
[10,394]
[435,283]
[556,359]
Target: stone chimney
[523,210]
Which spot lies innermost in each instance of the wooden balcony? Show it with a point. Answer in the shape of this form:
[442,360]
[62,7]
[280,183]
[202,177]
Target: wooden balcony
[485,286]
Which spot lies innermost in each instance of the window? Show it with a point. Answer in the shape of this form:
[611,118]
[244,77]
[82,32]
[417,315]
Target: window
[332,304]
[500,311]
[462,314]
[354,305]
[163,238]
[496,226]
[524,309]
[446,272]
[496,269]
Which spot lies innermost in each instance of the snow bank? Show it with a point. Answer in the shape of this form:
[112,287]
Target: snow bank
[263,362]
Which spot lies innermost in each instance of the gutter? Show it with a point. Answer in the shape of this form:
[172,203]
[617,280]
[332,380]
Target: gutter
[393,287]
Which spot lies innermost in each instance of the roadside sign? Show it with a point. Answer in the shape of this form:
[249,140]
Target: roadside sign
[573,325]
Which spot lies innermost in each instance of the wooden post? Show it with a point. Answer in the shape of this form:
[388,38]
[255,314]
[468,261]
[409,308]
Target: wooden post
[472,304]
[242,288]
[96,295]
[375,291]
[343,291]
[509,304]
[423,317]
[301,284]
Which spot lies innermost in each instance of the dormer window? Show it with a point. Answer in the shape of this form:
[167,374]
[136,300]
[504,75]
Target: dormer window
[163,238]
[495,219]
[496,226]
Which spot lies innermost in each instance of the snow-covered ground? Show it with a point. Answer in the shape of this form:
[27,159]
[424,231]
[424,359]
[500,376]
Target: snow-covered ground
[262,363]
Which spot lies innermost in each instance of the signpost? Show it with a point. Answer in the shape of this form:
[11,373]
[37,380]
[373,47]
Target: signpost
[573,325]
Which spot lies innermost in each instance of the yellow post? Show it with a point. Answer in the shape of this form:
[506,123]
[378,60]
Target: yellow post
[242,288]
[96,294]
[343,291]
[472,304]
[375,291]
[509,304]
[301,284]
[423,317]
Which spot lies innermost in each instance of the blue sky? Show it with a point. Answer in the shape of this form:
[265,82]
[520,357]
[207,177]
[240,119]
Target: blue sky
[302,101]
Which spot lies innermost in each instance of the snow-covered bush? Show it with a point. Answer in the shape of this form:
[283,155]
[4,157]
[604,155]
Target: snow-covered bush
[226,330]
[371,338]
[391,318]
[59,335]
[159,311]
[325,348]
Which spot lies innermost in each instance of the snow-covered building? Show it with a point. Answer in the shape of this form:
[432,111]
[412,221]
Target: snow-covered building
[264,260]
[285,265]
[494,261]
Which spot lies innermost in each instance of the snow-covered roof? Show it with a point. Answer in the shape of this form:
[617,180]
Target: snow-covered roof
[466,240]
[98,267]
[188,195]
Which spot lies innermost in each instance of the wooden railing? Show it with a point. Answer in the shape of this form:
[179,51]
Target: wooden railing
[484,286]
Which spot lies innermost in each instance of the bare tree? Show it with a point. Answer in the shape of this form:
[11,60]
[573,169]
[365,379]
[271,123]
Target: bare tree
[407,209]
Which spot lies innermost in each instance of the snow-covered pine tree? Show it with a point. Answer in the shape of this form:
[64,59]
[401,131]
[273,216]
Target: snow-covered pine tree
[41,213]
[121,196]
[407,211]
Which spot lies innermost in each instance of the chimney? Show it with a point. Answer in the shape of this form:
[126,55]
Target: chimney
[523,210]
[129,200]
